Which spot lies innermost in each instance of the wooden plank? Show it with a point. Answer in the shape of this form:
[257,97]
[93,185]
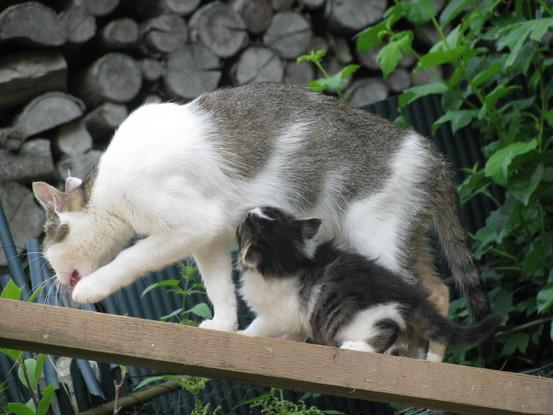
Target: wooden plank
[175,348]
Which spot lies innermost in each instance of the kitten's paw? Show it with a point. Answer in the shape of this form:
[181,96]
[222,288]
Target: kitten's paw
[88,291]
[219,324]
[245,333]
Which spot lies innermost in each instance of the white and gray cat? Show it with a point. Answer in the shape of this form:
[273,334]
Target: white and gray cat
[298,290]
[182,176]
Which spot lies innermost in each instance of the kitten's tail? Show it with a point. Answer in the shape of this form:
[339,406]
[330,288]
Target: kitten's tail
[454,243]
[429,323]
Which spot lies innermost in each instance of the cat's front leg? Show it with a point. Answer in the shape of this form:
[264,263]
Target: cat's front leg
[263,327]
[149,254]
[215,265]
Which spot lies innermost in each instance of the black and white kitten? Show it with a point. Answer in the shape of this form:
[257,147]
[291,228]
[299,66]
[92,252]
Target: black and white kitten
[331,296]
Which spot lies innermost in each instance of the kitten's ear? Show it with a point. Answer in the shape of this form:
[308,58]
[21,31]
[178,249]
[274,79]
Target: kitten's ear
[49,197]
[71,183]
[310,227]
[252,258]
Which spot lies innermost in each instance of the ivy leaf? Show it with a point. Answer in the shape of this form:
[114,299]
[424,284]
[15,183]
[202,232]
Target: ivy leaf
[453,9]
[416,92]
[545,298]
[372,36]
[440,57]
[486,74]
[390,55]
[514,36]
[419,11]
[164,283]
[515,341]
[458,119]
[524,187]
[201,310]
[474,184]
[497,167]
[11,291]
[535,258]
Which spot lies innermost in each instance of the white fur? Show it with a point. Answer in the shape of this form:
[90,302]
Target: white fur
[374,226]
[259,213]
[363,326]
[162,179]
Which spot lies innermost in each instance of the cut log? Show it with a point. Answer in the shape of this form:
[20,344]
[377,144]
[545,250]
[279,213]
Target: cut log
[369,59]
[152,99]
[341,49]
[41,114]
[120,34]
[103,120]
[113,77]
[191,71]
[99,7]
[28,74]
[79,24]
[366,91]
[257,14]
[151,69]
[289,34]
[258,64]
[354,15]
[312,4]
[299,73]
[399,80]
[279,5]
[78,165]
[73,138]
[23,214]
[219,28]
[32,162]
[165,33]
[155,7]
[317,43]
[19,22]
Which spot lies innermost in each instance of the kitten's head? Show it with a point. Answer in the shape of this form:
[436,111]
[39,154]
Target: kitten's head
[75,243]
[274,242]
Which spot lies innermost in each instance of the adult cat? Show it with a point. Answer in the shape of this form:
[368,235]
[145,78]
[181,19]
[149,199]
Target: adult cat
[182,177]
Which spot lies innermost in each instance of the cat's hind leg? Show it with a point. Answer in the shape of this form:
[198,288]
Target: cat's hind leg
[215,264]
[385,336]
[261,326]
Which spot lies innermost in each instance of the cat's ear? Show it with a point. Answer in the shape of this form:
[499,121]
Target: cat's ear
[49,197]
[252,258]
[310,227]
[71,183]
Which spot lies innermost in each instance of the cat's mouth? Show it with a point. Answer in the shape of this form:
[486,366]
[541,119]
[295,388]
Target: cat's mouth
[74,279]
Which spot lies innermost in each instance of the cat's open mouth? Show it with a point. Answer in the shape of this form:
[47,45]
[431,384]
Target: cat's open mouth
[74,279]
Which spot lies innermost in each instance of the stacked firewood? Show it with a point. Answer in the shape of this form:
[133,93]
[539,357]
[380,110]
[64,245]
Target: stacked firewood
[71,70]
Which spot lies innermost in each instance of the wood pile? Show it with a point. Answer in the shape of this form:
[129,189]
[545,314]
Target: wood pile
[71,70]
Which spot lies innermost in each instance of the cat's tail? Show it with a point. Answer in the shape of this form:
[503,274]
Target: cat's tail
[447,222]
[429,323]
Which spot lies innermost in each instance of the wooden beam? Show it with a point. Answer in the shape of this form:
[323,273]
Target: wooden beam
[173,348]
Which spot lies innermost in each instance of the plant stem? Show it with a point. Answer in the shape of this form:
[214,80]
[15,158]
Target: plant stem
[529,324]
[34,394]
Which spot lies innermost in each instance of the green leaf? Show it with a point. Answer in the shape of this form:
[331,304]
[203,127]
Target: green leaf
[545,298]
[548,117]
[458,119]
[514,35]
[536,257]
[453,9]
[164,283]
[372,36]
[35,376]
[419,11]
[551,331]
[35,294]
[335,82]
[486,74]
[440,57]
[416,92]
[474,184]
[389,56]
[34,370]
[515,341]
[201,310]
[315,56]
[149,380]
[14,355]
[11,291]
[19,408]
[44,403]
[523,188]
[171,314]
[497,167]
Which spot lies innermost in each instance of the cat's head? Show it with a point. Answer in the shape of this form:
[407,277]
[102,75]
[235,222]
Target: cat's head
[273,242]
[76,243]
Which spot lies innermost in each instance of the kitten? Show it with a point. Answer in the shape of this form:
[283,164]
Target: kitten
[183,176]
[331,296]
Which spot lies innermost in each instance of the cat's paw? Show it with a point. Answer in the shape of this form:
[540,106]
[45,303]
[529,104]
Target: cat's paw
[245,333]
[88,291]
[219,324]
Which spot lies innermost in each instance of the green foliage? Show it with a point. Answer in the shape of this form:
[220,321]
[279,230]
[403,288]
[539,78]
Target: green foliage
[328,83]
[274,403]
[29,371]
[497,61]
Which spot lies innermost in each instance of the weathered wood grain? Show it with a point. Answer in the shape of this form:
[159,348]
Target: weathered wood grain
[173,348]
